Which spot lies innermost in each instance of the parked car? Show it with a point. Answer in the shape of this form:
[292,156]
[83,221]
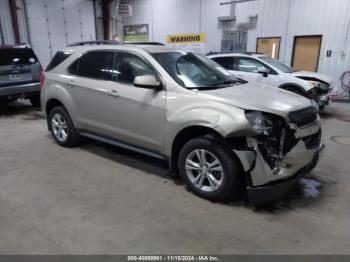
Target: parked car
[220,133]
[266,70]
[21,74]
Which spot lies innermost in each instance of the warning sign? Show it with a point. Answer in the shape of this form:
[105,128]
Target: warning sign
[188,42]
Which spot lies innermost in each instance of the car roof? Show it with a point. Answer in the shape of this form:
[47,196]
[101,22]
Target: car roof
[255,55]
[131,47]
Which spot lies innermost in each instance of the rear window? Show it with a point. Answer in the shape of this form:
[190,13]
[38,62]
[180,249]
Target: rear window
[13,56]
[59,57]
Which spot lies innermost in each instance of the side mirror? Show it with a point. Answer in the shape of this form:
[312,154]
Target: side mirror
[264,72]
[147,81]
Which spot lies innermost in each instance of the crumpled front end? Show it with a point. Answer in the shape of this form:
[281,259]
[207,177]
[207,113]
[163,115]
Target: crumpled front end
[274,162]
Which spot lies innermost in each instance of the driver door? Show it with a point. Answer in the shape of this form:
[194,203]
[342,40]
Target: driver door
[135,115]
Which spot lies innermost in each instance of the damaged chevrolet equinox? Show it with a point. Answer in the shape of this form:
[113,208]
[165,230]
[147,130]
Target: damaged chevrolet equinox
[224,136]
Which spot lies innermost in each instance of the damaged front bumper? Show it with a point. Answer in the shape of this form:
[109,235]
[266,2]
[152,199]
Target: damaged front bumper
[266,183]
[276,189]
[324,100]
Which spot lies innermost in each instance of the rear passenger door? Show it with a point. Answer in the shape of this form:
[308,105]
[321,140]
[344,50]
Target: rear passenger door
[87,85]
[135,115]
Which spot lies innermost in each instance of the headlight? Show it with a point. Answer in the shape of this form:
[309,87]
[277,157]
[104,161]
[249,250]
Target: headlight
[258,122]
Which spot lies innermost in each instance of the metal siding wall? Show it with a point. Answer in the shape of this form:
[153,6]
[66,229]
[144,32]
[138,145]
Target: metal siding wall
[54,24]
[166,17]
[211,10]
[6,22]
[306,17]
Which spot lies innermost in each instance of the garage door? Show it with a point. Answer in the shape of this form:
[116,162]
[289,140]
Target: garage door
[306,53]
[269,46]
[54,24]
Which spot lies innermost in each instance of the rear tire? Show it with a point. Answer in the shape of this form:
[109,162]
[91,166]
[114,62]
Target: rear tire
[35,100]
[62,128]
[210,169]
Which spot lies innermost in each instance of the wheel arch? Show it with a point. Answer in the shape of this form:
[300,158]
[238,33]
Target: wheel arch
[190,132]
[185,135]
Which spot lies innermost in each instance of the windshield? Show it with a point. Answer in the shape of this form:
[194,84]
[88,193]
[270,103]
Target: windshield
[195,71]
[277,64]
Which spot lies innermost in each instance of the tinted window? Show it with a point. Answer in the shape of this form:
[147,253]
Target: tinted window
[22,56]
[58,59]
[128,66]
[97,65]
[225,62]
[250,65]
[193,70]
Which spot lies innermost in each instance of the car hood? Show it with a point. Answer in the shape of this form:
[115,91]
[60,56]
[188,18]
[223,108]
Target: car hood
[259,97]
[321,77]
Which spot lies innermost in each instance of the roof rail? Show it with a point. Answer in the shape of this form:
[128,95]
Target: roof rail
[98,42]
[146,43]
[233,52]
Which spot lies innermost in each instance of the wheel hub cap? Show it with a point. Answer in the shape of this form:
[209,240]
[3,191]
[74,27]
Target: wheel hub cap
[204,170]
[59,127]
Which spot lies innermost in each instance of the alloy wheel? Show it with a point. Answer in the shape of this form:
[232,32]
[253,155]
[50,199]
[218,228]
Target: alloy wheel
[59,127]
[204,170]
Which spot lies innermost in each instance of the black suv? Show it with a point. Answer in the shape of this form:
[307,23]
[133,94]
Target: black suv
[21,74]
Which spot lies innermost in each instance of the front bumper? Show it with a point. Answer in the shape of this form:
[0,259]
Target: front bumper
[17,90]
[266,183]
[275,190]
[324,100]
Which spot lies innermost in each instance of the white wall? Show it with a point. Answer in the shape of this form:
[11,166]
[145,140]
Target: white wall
[187,16]
[284,18]
[54,24]
[289,18]
[6,22]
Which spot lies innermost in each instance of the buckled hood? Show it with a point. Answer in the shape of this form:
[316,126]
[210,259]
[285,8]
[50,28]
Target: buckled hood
[258,97]
[314,75]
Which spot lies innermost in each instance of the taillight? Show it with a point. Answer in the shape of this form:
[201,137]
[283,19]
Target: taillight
[41,77]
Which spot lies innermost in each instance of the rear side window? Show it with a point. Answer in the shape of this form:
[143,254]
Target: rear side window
[225,62]
[17,56]
[59,57]
[96,64]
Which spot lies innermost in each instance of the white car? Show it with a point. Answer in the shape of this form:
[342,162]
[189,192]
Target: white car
[263,69]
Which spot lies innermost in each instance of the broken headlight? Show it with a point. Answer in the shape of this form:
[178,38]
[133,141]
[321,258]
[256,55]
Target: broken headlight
[259,122]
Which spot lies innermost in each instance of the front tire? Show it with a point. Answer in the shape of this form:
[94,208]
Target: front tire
[62,128]
[210,169]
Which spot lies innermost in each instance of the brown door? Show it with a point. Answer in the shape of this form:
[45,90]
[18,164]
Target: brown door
[306,53]
[269,46]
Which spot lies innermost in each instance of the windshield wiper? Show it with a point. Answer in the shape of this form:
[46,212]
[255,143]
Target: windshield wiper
[229,82]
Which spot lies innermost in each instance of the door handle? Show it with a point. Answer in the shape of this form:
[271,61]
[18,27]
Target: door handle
[113,93]
[71,83]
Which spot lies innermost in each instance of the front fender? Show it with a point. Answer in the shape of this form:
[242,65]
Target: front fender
[226,121]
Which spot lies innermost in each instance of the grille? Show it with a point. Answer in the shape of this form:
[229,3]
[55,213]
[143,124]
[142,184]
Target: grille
[304,116]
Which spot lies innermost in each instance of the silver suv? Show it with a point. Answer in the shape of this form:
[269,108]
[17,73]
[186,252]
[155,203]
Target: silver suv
[21,74]
[221,134]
